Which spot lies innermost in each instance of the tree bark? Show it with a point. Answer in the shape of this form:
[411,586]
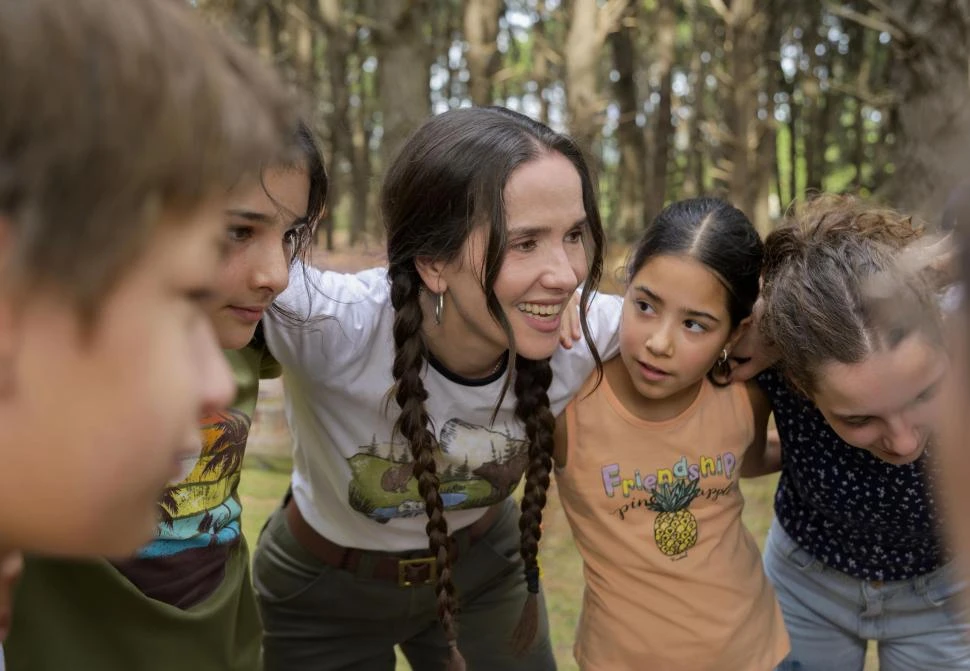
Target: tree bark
[541,72]
[932,47]
[766,152]
[814,116]
[662,128]
[338,50]
[481,30]
[404,64]
[588,28]
[743,47]
[695,175]
[632,146]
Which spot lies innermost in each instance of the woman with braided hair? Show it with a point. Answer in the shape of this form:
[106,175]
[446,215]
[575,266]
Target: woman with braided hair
[420,393]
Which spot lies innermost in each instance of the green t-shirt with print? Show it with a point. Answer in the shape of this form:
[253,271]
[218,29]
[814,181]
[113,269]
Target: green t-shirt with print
[186,600]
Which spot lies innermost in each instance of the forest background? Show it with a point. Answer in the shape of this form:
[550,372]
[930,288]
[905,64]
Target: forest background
[760,101]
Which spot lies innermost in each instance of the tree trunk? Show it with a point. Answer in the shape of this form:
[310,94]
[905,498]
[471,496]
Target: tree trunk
[588,28]
[813,111]
[662,126]
[269,26]
[481,30]
[338,120]
[932,44]
[766,153]
[582,90]
[793,115]
[632,147]
[404,63]
[304,53]
[743,46]
[694,177]
[540,72]
[361,174]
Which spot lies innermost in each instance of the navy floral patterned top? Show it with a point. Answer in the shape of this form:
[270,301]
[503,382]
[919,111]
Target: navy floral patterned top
[847,508]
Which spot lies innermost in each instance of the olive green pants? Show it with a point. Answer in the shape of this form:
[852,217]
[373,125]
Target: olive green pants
[320,618]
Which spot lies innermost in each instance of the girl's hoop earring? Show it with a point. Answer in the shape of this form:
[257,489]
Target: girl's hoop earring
[439,307]
[723,359]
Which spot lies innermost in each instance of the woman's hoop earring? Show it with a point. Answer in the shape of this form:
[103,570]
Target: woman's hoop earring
[723,359]
[439,307]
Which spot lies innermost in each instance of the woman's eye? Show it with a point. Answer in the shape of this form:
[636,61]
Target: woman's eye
[525,245]
[857,421]
[575,236]
[239,233]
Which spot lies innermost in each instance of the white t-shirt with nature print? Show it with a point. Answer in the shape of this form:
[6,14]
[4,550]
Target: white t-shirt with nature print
[351,480]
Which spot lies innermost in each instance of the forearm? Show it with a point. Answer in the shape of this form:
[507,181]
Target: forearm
[765,462]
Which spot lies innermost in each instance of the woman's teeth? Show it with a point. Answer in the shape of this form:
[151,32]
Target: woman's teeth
[537,310]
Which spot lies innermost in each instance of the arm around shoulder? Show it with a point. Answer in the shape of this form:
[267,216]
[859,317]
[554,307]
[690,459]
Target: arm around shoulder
[326,317]
[603,318]
[560,441]
[764,454]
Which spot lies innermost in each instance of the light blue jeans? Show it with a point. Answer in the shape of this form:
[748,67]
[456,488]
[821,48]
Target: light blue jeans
[831,616]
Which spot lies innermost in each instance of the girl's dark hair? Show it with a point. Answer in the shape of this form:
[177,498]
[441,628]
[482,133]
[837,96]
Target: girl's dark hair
[307,156]
[718,235]
[448,180]
[304,154]
[835,288]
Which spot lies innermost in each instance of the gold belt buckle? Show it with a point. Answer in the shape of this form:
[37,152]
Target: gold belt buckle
[404,565]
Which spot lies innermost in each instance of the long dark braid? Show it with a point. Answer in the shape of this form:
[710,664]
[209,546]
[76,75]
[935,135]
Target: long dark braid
[532,380]
[448,180]
[410,357]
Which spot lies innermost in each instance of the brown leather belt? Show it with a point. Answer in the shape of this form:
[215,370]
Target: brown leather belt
[407,569]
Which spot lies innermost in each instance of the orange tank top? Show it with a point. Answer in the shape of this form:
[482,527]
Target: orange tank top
[674,581]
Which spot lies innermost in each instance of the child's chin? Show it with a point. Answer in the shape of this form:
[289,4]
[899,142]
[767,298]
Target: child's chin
[236,338]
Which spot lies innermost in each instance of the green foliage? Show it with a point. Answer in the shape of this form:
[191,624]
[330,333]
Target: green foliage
[671,497]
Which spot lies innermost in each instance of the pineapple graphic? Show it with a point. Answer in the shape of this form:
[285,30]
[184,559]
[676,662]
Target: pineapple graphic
[675,529]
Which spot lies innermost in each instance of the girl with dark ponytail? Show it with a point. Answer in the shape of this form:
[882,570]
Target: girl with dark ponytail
[421,400]
[649,460]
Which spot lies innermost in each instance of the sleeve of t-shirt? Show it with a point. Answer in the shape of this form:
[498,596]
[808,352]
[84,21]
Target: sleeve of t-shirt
[327,319]
[571,367]
[603,318]
[772,383]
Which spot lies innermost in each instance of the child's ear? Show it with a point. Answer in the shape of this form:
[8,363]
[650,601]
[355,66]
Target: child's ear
[739,332]
[432,273]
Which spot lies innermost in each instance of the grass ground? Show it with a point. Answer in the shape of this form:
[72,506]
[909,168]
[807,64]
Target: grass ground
[265,479]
